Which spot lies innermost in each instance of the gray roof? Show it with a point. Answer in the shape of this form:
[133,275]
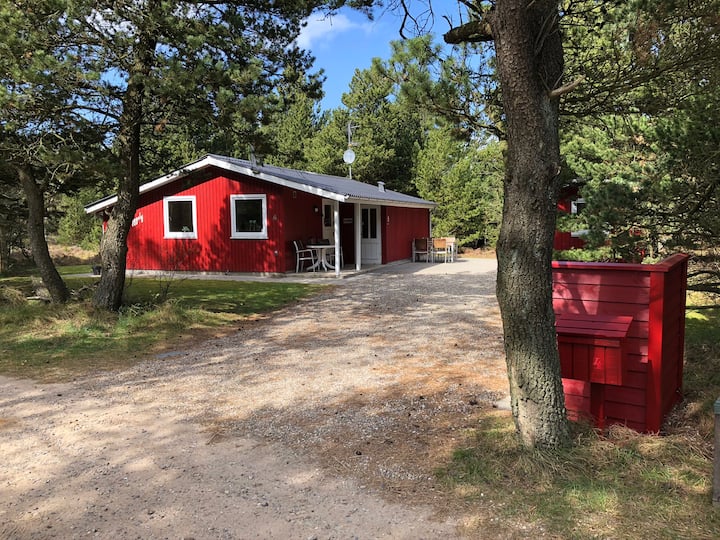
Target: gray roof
[323,185]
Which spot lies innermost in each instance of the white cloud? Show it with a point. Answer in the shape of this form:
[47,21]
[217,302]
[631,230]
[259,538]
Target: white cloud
[322,30]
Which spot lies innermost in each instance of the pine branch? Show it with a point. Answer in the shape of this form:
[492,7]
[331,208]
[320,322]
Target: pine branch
[475,31]
[565,89]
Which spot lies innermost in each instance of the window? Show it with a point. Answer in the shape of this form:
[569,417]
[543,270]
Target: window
[369,223]
[577,206]
[180,217]
[248,215]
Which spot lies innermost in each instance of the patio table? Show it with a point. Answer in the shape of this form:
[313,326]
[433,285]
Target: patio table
[322,260]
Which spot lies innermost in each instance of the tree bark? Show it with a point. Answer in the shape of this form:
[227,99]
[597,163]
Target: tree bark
[113,245]
[55,285]
[4,251]
[529,57]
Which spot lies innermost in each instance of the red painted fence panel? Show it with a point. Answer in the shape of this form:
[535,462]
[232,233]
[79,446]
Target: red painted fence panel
[651,298]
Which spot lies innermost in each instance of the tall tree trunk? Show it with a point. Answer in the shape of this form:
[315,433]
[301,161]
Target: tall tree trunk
[113,246]
[4,251]
[529,56]
[38,243]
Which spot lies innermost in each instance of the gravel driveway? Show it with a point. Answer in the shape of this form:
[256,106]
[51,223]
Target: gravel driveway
[324,420]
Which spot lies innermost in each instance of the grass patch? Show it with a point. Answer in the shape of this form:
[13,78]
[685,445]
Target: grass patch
[623,485]
[57,342]
[619,485]
[74,269]
[701,376]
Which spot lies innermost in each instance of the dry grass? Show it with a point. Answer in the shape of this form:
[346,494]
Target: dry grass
[11,296]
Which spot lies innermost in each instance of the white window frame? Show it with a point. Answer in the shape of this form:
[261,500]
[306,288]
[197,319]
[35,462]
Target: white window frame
[579,202]
[166,217]
[259,235]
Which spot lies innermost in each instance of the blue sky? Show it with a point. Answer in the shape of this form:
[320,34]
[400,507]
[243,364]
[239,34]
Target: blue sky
[349,41]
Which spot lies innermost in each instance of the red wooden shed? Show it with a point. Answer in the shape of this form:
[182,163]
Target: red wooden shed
[221,214]
[621,336]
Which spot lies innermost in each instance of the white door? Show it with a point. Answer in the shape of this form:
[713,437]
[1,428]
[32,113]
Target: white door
[328,220]
[370,240]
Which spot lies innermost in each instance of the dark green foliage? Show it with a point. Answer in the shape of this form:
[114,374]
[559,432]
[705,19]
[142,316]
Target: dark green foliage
[637,56]
[601,254]
[465,179]
[291,132]
[13,217]
[651,163]
[325,150]
[385,131]
[76,227]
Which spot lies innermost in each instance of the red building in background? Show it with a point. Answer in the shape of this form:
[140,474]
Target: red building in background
[570,202]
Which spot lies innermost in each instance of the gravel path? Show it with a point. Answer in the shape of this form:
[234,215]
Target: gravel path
[324,420]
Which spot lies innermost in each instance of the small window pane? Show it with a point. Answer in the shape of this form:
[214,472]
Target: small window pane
[373,223]
[577,206]
[180,216]
[248,215]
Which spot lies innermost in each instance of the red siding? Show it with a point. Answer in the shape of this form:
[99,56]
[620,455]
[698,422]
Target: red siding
[654,295]
[565,240]
[214,250]
[399,227]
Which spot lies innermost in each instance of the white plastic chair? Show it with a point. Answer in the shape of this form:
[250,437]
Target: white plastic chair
[331,257]
[303,254]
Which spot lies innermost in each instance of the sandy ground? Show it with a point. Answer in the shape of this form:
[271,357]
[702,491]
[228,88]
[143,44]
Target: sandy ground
[325,420]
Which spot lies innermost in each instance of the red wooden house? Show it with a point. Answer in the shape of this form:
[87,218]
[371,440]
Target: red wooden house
[222,214]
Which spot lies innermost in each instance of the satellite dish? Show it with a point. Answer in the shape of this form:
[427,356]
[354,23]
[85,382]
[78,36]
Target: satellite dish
[348,156]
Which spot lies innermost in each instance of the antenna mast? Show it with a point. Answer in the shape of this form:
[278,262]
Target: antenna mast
[349,155]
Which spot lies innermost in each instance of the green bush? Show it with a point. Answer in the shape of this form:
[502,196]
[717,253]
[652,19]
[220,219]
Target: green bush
[602,254]
[76,227]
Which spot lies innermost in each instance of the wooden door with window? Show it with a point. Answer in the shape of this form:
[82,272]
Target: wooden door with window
[328,218]
[370,237]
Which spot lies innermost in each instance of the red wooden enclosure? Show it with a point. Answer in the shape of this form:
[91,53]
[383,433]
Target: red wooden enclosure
[621,336]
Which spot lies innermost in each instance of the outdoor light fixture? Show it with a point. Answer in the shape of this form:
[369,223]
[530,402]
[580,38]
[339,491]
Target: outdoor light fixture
[316,209]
